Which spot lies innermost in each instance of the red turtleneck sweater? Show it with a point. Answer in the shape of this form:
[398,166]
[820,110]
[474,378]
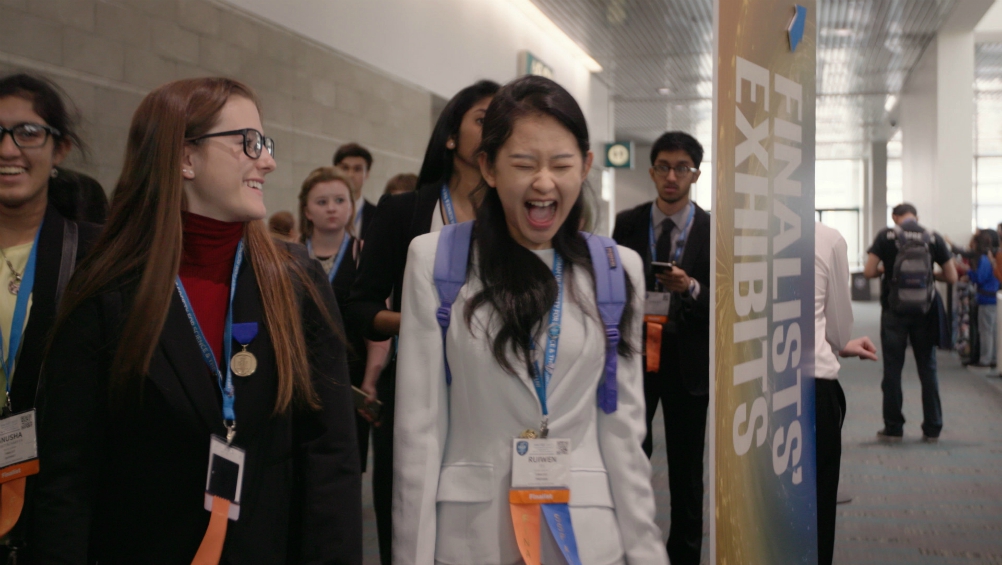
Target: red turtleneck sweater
[206,265]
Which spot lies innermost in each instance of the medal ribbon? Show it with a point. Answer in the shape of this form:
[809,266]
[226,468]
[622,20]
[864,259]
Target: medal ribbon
[9,359]
[446,199]
[345,242]
[225,385]
[525,508]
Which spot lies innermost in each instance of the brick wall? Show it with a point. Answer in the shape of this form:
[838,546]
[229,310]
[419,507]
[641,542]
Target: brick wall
[107,54]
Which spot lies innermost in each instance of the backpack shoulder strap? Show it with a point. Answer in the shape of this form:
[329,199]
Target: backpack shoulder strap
[68,259]
[451,257]
[610,294]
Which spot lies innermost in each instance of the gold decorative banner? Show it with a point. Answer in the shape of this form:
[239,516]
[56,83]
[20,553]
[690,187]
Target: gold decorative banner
[764,505]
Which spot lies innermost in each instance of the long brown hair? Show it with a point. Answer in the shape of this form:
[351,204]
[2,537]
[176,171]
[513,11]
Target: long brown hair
[317,176]
[143,240]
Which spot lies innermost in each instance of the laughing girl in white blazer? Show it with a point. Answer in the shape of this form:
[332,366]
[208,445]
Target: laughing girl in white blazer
[452,460]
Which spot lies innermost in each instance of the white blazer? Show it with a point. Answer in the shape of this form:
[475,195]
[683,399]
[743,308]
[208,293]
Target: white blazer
[452,444]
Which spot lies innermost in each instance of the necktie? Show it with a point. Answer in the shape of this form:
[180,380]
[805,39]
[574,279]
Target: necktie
[663,246]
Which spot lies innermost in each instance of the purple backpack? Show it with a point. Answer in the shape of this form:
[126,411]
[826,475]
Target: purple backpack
[610,285]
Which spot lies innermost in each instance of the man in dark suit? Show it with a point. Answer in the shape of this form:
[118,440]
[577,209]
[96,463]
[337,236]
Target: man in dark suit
[355,162]
[673,229]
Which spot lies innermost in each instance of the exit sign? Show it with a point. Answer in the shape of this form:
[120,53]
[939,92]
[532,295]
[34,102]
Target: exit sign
[529,64]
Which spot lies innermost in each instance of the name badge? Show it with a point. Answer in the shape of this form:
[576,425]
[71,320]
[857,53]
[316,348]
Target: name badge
[18,448]
[226,475]
[657,303]
[540,463]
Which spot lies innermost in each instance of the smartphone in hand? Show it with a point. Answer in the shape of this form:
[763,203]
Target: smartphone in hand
[662,267]
[362,403]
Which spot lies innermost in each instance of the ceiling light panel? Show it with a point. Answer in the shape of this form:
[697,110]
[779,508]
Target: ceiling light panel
[866,49]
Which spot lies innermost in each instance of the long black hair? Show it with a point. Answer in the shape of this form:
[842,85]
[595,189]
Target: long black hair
[48,102]
[437,165]
[518,286]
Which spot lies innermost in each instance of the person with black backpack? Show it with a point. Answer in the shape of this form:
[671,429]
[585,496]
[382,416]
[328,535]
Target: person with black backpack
[907,297]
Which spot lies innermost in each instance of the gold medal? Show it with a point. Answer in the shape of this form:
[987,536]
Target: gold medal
[243,364]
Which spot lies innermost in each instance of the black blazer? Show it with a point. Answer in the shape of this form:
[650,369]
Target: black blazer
[125,485]
[49,261]
[368,211]
[685,345]
[399,218]
[43,303]
[343,279]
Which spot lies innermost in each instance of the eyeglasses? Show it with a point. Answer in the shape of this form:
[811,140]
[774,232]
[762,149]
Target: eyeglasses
[29,136]
[681,171]
[254,141]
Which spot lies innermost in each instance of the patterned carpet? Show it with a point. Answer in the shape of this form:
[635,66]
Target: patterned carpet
[912,503]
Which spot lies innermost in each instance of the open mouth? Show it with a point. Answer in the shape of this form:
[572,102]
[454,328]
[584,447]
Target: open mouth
[256,185]
[9,171]
[541,212]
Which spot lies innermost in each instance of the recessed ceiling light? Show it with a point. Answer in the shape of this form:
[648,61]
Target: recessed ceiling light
[664,91]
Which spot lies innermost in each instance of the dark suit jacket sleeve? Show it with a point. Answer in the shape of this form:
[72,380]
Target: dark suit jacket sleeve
[700,306]
[376,273]
[72,409]
[331,472]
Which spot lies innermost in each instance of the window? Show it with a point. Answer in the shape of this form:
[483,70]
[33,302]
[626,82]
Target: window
[838,196]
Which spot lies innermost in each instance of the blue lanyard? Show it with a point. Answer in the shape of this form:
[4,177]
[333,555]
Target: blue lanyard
[446,198]
[679,243]
[20,314]
[225,385]
[337,260]
[358,215]
[542,380]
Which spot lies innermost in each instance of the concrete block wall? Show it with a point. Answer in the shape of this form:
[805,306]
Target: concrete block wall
[107,54]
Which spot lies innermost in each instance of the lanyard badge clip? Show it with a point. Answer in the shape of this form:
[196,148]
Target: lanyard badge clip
[231,431]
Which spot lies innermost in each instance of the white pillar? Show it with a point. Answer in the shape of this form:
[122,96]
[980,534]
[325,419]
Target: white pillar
[876,197]
[937,120]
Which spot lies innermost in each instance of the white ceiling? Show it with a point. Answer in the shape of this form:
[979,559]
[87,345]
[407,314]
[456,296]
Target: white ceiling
[866,49]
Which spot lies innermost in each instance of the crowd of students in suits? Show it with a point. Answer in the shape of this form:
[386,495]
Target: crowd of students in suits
[191,368]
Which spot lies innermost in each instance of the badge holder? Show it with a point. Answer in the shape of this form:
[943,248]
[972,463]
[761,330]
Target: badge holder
[655,316]
[223,484]
[18,460]
[539,485]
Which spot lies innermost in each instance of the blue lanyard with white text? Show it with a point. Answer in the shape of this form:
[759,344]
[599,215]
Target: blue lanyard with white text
[541,380]
[337,260]
[20,314]
[358,216]
[680,242]
[446,198]
[225,385]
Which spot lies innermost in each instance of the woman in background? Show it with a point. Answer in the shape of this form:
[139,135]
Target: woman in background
[326,210]
[449,175]
[40,243]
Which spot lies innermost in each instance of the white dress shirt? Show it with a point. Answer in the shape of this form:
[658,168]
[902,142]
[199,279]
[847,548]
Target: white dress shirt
[832,301]
[452,444]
